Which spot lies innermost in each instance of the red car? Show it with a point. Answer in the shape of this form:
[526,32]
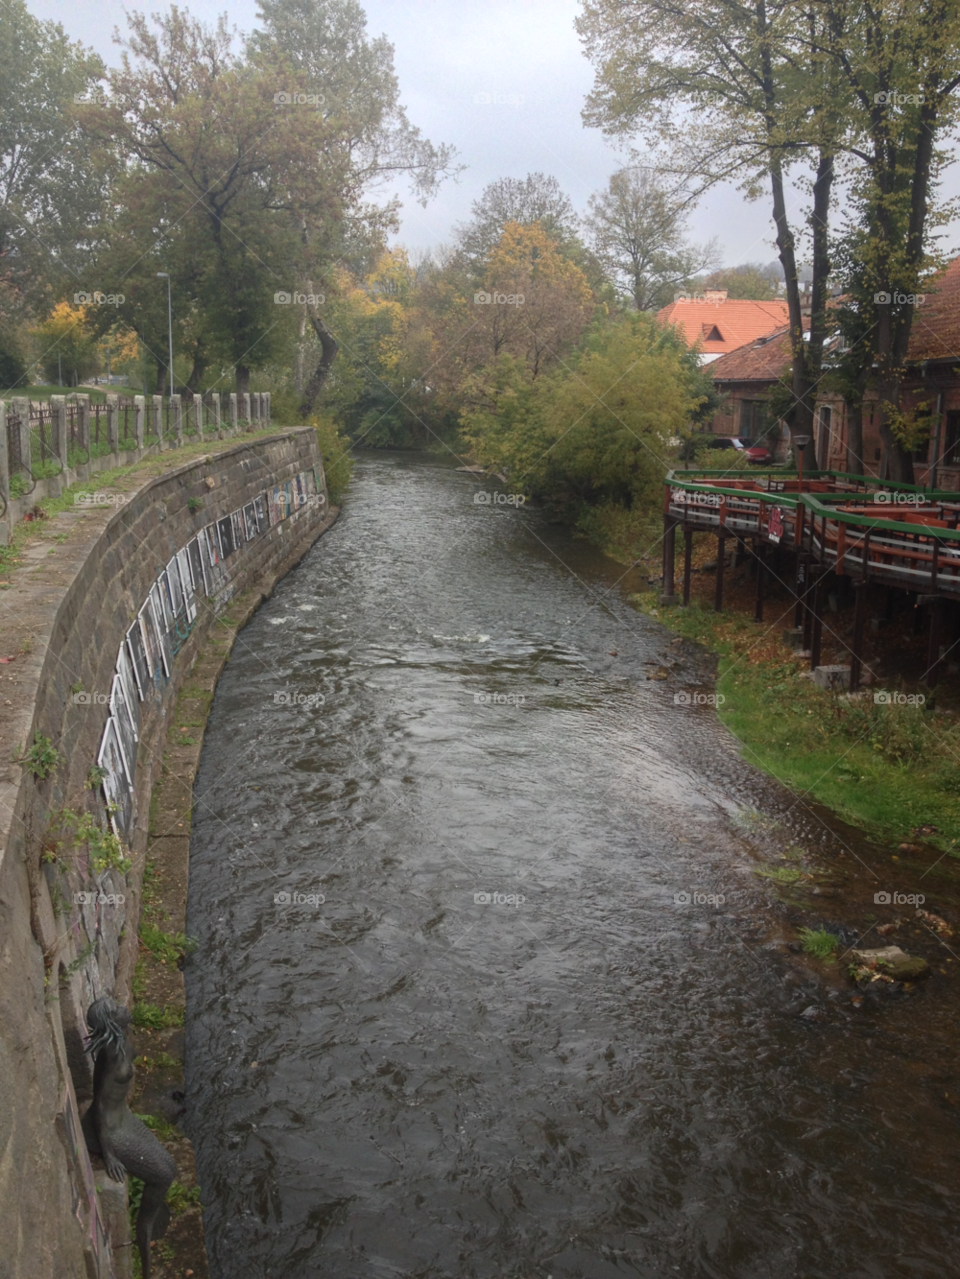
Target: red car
[755,453]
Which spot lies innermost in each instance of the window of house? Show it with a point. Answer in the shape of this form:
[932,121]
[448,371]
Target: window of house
[711,333]
[950,448]
[754,422]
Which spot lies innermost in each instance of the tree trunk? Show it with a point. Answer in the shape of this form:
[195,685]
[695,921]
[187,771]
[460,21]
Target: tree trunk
[161,378]
[328,353]
[298,373]
[855,464]
[243,379]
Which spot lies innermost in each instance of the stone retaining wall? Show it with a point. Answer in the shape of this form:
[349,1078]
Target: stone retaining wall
[65,935]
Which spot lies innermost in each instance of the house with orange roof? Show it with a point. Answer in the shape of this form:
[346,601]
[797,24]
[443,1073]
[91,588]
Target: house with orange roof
[718,324]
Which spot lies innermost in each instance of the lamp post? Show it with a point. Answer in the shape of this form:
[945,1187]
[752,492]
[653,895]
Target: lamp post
[801,442]
[164,275]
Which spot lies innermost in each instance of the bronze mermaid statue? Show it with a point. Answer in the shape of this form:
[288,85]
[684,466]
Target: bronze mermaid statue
[113,1131]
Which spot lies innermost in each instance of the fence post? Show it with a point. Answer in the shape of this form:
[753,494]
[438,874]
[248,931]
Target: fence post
[21,406]
[215,401]
[255,408]
[4,476]
[198,413]
[234,425]
[58,441]
[245,408]
[176,412]
[139,418]
[158,419]
[83,428]
[113,423]
[266,407]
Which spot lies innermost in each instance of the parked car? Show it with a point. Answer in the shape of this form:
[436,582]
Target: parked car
[755,453]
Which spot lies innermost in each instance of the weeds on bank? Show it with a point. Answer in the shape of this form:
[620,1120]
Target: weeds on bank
[819,943]
[887,768]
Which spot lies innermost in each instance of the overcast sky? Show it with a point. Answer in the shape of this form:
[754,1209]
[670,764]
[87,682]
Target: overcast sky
[524,56]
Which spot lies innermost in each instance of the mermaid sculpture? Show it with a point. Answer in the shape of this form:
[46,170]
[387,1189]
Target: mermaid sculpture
[115,1133]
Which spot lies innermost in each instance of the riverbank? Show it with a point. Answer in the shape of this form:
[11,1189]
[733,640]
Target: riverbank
[158,987]
[892,770]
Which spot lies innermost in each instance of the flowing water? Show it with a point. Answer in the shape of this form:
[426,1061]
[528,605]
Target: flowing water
[450,1013]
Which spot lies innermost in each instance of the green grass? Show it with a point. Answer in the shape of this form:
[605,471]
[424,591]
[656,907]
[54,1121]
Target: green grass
[886,769]
[152,1017]
[819,943]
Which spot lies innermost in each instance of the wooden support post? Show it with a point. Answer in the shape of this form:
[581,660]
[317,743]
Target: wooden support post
[721,560]
[799,591]
[933,647]
[856,650]
[758,557]
[669,544]
[816,638]
[687,553]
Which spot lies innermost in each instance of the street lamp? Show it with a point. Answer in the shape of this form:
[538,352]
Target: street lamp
[163,275]
[801,442]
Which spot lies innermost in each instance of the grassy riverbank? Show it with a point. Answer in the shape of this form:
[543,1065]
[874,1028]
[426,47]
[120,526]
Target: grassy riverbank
[889,769]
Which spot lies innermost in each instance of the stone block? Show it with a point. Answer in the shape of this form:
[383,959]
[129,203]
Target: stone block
[832,676]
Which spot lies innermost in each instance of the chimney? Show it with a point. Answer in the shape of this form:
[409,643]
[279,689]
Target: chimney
[716,296]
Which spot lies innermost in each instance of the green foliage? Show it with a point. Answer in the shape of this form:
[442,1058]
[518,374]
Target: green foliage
[169,948]
[819,943]
[596,436]
[179,1199]
[41,759]
[95,777]
[149,1016]
[337,459]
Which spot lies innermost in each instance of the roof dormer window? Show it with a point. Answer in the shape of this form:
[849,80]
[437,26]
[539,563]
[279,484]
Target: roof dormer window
[711,333]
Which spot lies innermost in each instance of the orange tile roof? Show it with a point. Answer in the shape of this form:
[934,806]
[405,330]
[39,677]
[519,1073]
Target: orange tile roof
[760,361]
[720,327]
[936,326]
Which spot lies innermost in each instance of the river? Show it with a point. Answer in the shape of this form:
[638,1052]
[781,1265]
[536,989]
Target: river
[486,985]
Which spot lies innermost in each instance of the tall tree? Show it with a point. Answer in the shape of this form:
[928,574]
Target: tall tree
[734,88]
[50,189]
[535,198]
[637,226]
[352,77]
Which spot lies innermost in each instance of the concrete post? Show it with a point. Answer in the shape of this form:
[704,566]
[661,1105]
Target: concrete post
[83,428]
[58,441]
[255,409]
[113,423]
[158,419]
[4,477]
[266,408]
[21,406]
[245,408]
[139,419]
[215,401]
[198,414]
[176,412]
[234,425]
